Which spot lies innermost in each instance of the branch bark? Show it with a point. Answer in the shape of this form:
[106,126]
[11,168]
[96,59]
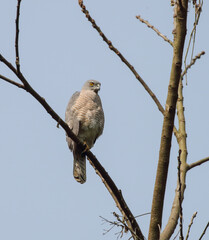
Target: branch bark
[179,195]
[198,163]
[12,82]
[168,122]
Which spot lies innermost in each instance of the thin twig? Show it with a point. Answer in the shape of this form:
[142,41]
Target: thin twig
[198,10]
[176,235]
[143,214]
[189,227]
[198,56]
[204,231]
[198,163]
[12,82]
[180,198]
[126,226]
[112,224]
[155,29]
[17,36]
[119,223]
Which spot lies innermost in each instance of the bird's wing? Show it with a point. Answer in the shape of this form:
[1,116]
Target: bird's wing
[71,119]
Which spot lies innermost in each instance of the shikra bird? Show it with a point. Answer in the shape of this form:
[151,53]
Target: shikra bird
[85,117]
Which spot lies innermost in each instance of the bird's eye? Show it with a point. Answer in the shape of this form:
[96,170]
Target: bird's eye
[91,84]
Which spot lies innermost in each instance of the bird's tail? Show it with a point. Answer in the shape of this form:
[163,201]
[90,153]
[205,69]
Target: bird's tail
[79,167]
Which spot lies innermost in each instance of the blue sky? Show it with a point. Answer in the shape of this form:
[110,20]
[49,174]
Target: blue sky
[59,51]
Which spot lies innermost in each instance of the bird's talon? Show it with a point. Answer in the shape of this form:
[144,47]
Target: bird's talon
[86,148]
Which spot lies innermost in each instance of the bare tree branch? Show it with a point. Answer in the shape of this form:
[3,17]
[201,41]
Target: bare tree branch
[12,82]
[198,163]
[168,122]
[17,36]
[204,231]
[144,214]
[123,59]
[114,224]
[180,198]
[198,56]
[174,215]
[189,227]
[154,29]
[176,206]
[112,188]
[110,185]
[198,9]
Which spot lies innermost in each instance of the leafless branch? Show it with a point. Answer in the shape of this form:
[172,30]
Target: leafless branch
[123,59]
[154,29]
[198,163]
[12,82]
[176,235]
[143,214]
[17,36]
[204,231]
[109,183]
[198,56]
[189,227]
[112,225]
[180,197]
[119,223]
[126,226]
[198,9]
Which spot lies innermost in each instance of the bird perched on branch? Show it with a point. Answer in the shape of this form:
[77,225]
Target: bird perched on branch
[85,117]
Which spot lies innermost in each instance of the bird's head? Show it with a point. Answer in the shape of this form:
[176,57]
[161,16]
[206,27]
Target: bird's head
[92,85]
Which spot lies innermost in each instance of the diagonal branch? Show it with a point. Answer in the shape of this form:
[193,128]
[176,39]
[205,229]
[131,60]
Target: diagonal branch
[12,82]
[109,183]
[198,9]
[189,227]
[204,231]
[198,163]
[198,56]
[154,29]
[124,60]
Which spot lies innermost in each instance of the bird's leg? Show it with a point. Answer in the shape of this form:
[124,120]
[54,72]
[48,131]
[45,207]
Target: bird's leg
[87,148]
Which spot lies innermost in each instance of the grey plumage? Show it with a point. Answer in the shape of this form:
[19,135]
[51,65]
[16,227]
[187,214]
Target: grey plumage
[85,116]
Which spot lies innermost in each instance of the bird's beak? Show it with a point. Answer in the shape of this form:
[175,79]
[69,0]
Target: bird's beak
[97,88]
